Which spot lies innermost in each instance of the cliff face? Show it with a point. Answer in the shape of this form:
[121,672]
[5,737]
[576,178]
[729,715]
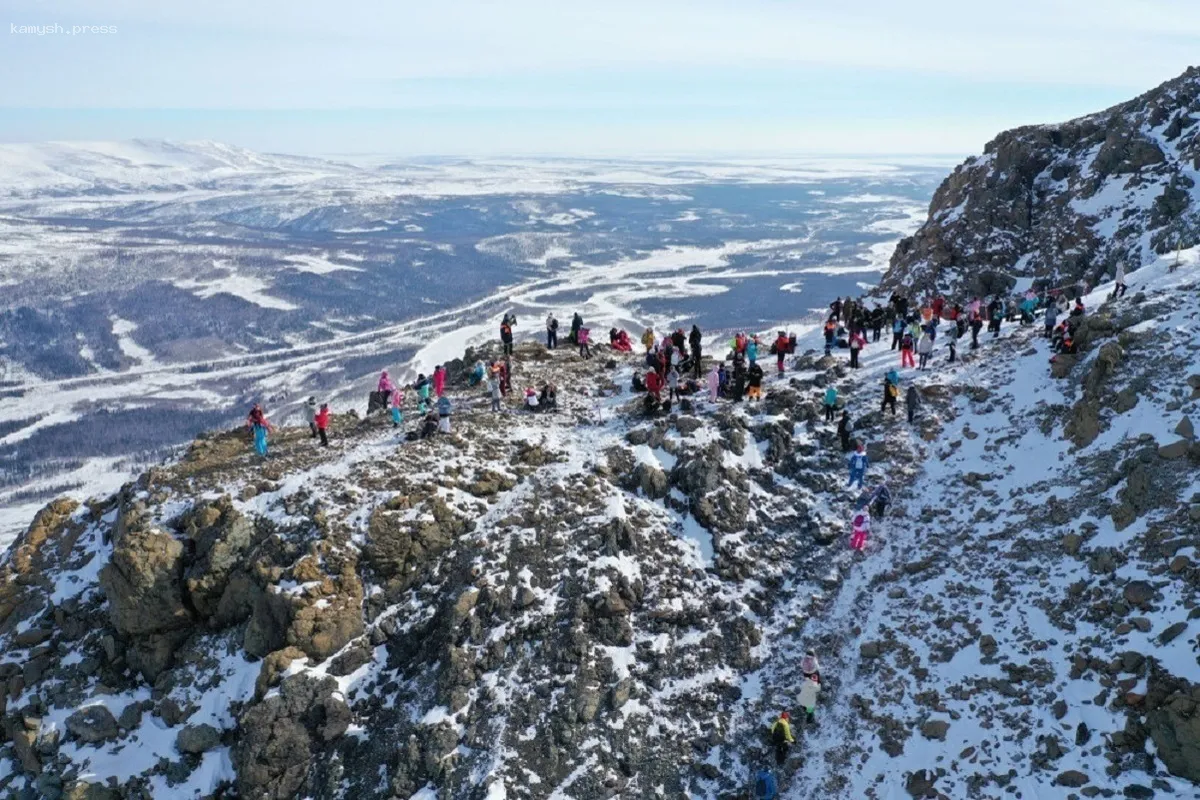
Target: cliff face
[1064,202]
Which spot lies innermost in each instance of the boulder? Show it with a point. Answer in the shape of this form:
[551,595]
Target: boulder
[197,739]
[282,736]
[222,536]
[403,544]
[143,582]
[1072,778]
[1138,593]
[1172,632]
[93,725]
[1175,729]
[1174,450]
[935,729]
[1185,429]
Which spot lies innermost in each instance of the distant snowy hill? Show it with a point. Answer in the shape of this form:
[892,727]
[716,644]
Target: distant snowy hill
[91,168]
[1066,201]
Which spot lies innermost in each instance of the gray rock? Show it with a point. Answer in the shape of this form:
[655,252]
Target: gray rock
[1169,635]
[1072,778]
[1174,450]
[1185,429]
[197,739]
[935,729]
[93,725]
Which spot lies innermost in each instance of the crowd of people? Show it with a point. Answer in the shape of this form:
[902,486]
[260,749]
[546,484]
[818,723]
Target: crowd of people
[673,371]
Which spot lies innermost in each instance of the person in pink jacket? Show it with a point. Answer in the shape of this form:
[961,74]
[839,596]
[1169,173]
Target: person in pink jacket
[439,380]
[385,383]
[714,383]
[862,528]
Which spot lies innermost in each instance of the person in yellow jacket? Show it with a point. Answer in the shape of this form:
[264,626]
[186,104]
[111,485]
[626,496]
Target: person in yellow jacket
[648,339]
[781,737]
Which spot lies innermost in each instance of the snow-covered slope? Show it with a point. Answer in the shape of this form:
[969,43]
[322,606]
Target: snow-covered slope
[593,604]
[1066,201]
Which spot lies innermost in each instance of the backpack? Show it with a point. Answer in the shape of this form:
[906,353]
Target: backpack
[762,788]
[892,391]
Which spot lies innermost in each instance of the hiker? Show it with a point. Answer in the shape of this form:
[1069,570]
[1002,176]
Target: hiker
[890,392]
[976,326]
[858,462]
[397,407]
[844,430]
[781,737]
[505,376]
[583,337]
[783,346]
[648,339]
[952,342]
[654,384]
[576,324]
[861,528]
[493,385]
[259,425]
[310,411]
[439,380]
[422,387]
[906,350]
[322,422]
[430,426]
[722,380]
[925,350]
[1119,288]
[1051,318]
[997,319]
[857,343]
[551,331]
[752,350]
[385,385]
[754,377]
[548,399]
[477,374]
[835,309]
[506,336]
[714,383]
[672,383]
[443,409]
[877,320]
[912,401]
[881,498]
[809,689]
[696,342]
[765,787]
[830,333]
[810,667]
[531,399]
[622,343]
[831,395]
[897,332]
[1078,310]
[738,384]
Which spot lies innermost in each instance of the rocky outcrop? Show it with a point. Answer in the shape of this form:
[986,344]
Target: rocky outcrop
[1064,202]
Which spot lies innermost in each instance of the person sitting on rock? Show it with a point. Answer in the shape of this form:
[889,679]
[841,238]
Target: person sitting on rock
[549,397]
[531,399]
[1078,310]
[430,426]
[477,374]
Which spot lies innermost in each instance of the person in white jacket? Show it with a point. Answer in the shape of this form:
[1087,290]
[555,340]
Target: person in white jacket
[1120,288]
[924,350]
[808,699]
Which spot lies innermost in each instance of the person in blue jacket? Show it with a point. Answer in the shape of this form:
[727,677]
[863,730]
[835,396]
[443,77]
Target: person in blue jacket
[1051,319]
[897,332]
[765,787]
[752,349]
[830,403]
[858,466]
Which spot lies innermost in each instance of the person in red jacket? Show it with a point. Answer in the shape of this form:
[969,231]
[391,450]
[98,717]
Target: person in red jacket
[654,384]
[781,350]
[322,422]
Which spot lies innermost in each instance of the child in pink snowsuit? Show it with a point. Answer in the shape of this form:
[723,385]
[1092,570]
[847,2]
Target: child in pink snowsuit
[439,380]
[862,527]
[714,384]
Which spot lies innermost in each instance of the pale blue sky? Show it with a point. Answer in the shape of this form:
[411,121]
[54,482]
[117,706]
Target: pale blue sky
[558,76]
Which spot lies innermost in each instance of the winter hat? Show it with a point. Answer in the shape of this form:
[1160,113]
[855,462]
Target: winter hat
[312,401]
[785,715]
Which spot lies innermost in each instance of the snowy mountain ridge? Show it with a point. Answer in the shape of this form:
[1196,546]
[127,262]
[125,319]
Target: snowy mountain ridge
[1067,201]
[594,604]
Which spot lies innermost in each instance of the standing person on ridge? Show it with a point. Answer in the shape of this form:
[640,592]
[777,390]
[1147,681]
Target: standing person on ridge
[858,462]
[925,349]
[493,385]
[583,337]
[259,425]
[897,332]
[443,409]
[1051,319]
[782,348]
[976,327]
[912,402]
[506,336]
[551,331]
[857,343]
[809,689]
[861,529]
[439,380]
[906,350]
[844,431]
[890,392]
[322,421]
[752,350]
[576,324]
[714,383]
[648,339]
[754,376]
[830,334]
[831,395]
[385,386]
[1120,288]
[310,411]
[696,341]
[781,737]
[397,408]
